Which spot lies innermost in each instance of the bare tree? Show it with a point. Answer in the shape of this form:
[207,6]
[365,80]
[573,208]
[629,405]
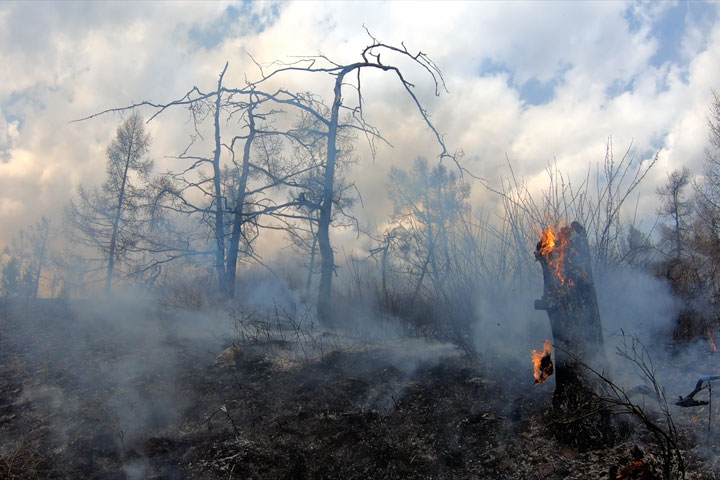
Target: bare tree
[436,245]
[706,231]
[247,99]
[595,201]
[308,196]
[106,218]
[676,209]
[691,236]
[39,237]
[27,258]
[217,189]
[370,59]
[683,262]
[709,188]
[428,204]
[233,188]
[17,274]
[309,187]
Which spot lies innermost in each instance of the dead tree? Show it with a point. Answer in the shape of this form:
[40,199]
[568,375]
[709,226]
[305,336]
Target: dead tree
[571,303]
[217,189]
[333,125]
[39,236]
[107,218]
[228,190]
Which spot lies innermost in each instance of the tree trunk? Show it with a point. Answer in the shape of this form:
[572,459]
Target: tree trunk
[418,284]
[41,256]
[234,246]
[116,220]
[327,262]
[311,267]
[384,273]
[571,303]
[219,222]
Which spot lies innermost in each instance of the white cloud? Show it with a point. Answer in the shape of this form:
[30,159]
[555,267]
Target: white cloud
[65,61]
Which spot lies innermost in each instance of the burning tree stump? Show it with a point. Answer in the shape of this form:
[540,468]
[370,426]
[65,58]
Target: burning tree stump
[571,304]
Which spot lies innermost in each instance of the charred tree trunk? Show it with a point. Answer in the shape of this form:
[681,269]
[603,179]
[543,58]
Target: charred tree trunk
[571,303]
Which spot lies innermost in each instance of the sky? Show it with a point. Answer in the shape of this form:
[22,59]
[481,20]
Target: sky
[527,82]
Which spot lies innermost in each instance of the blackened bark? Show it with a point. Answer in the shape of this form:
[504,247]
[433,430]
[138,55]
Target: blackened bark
[571,303]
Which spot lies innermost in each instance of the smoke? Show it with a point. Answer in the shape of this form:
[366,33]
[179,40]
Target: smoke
[636,306]
[121,364]
[637,303]
[509,327]
[632,304]
[115,369]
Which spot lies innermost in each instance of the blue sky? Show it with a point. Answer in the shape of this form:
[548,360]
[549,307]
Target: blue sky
[668,28]
[530,81]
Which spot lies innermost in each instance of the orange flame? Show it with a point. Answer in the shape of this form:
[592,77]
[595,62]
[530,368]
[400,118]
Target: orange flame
[548,244]
[711,340]
[637,469]
[542,363]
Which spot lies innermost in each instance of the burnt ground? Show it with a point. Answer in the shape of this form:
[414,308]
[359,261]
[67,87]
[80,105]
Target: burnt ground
[82,400]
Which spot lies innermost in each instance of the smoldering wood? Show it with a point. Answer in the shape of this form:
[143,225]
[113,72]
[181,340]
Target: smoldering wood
[570,300]
[546,368]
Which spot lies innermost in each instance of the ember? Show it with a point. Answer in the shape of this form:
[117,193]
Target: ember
[542,361]
[637,469]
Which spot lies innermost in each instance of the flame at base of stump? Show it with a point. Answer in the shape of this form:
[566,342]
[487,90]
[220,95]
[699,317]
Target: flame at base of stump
[570,300]
[542,363]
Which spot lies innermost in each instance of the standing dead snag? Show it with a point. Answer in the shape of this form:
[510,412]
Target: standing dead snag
[571,304]
[333,124]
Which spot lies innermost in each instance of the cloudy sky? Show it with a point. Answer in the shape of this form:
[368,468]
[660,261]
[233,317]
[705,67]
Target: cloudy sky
[533,82]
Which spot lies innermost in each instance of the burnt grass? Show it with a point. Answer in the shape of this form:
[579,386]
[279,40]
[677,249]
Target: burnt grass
[71,408]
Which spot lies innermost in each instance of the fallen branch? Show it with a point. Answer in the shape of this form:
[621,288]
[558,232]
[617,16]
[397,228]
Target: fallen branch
[689,401]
